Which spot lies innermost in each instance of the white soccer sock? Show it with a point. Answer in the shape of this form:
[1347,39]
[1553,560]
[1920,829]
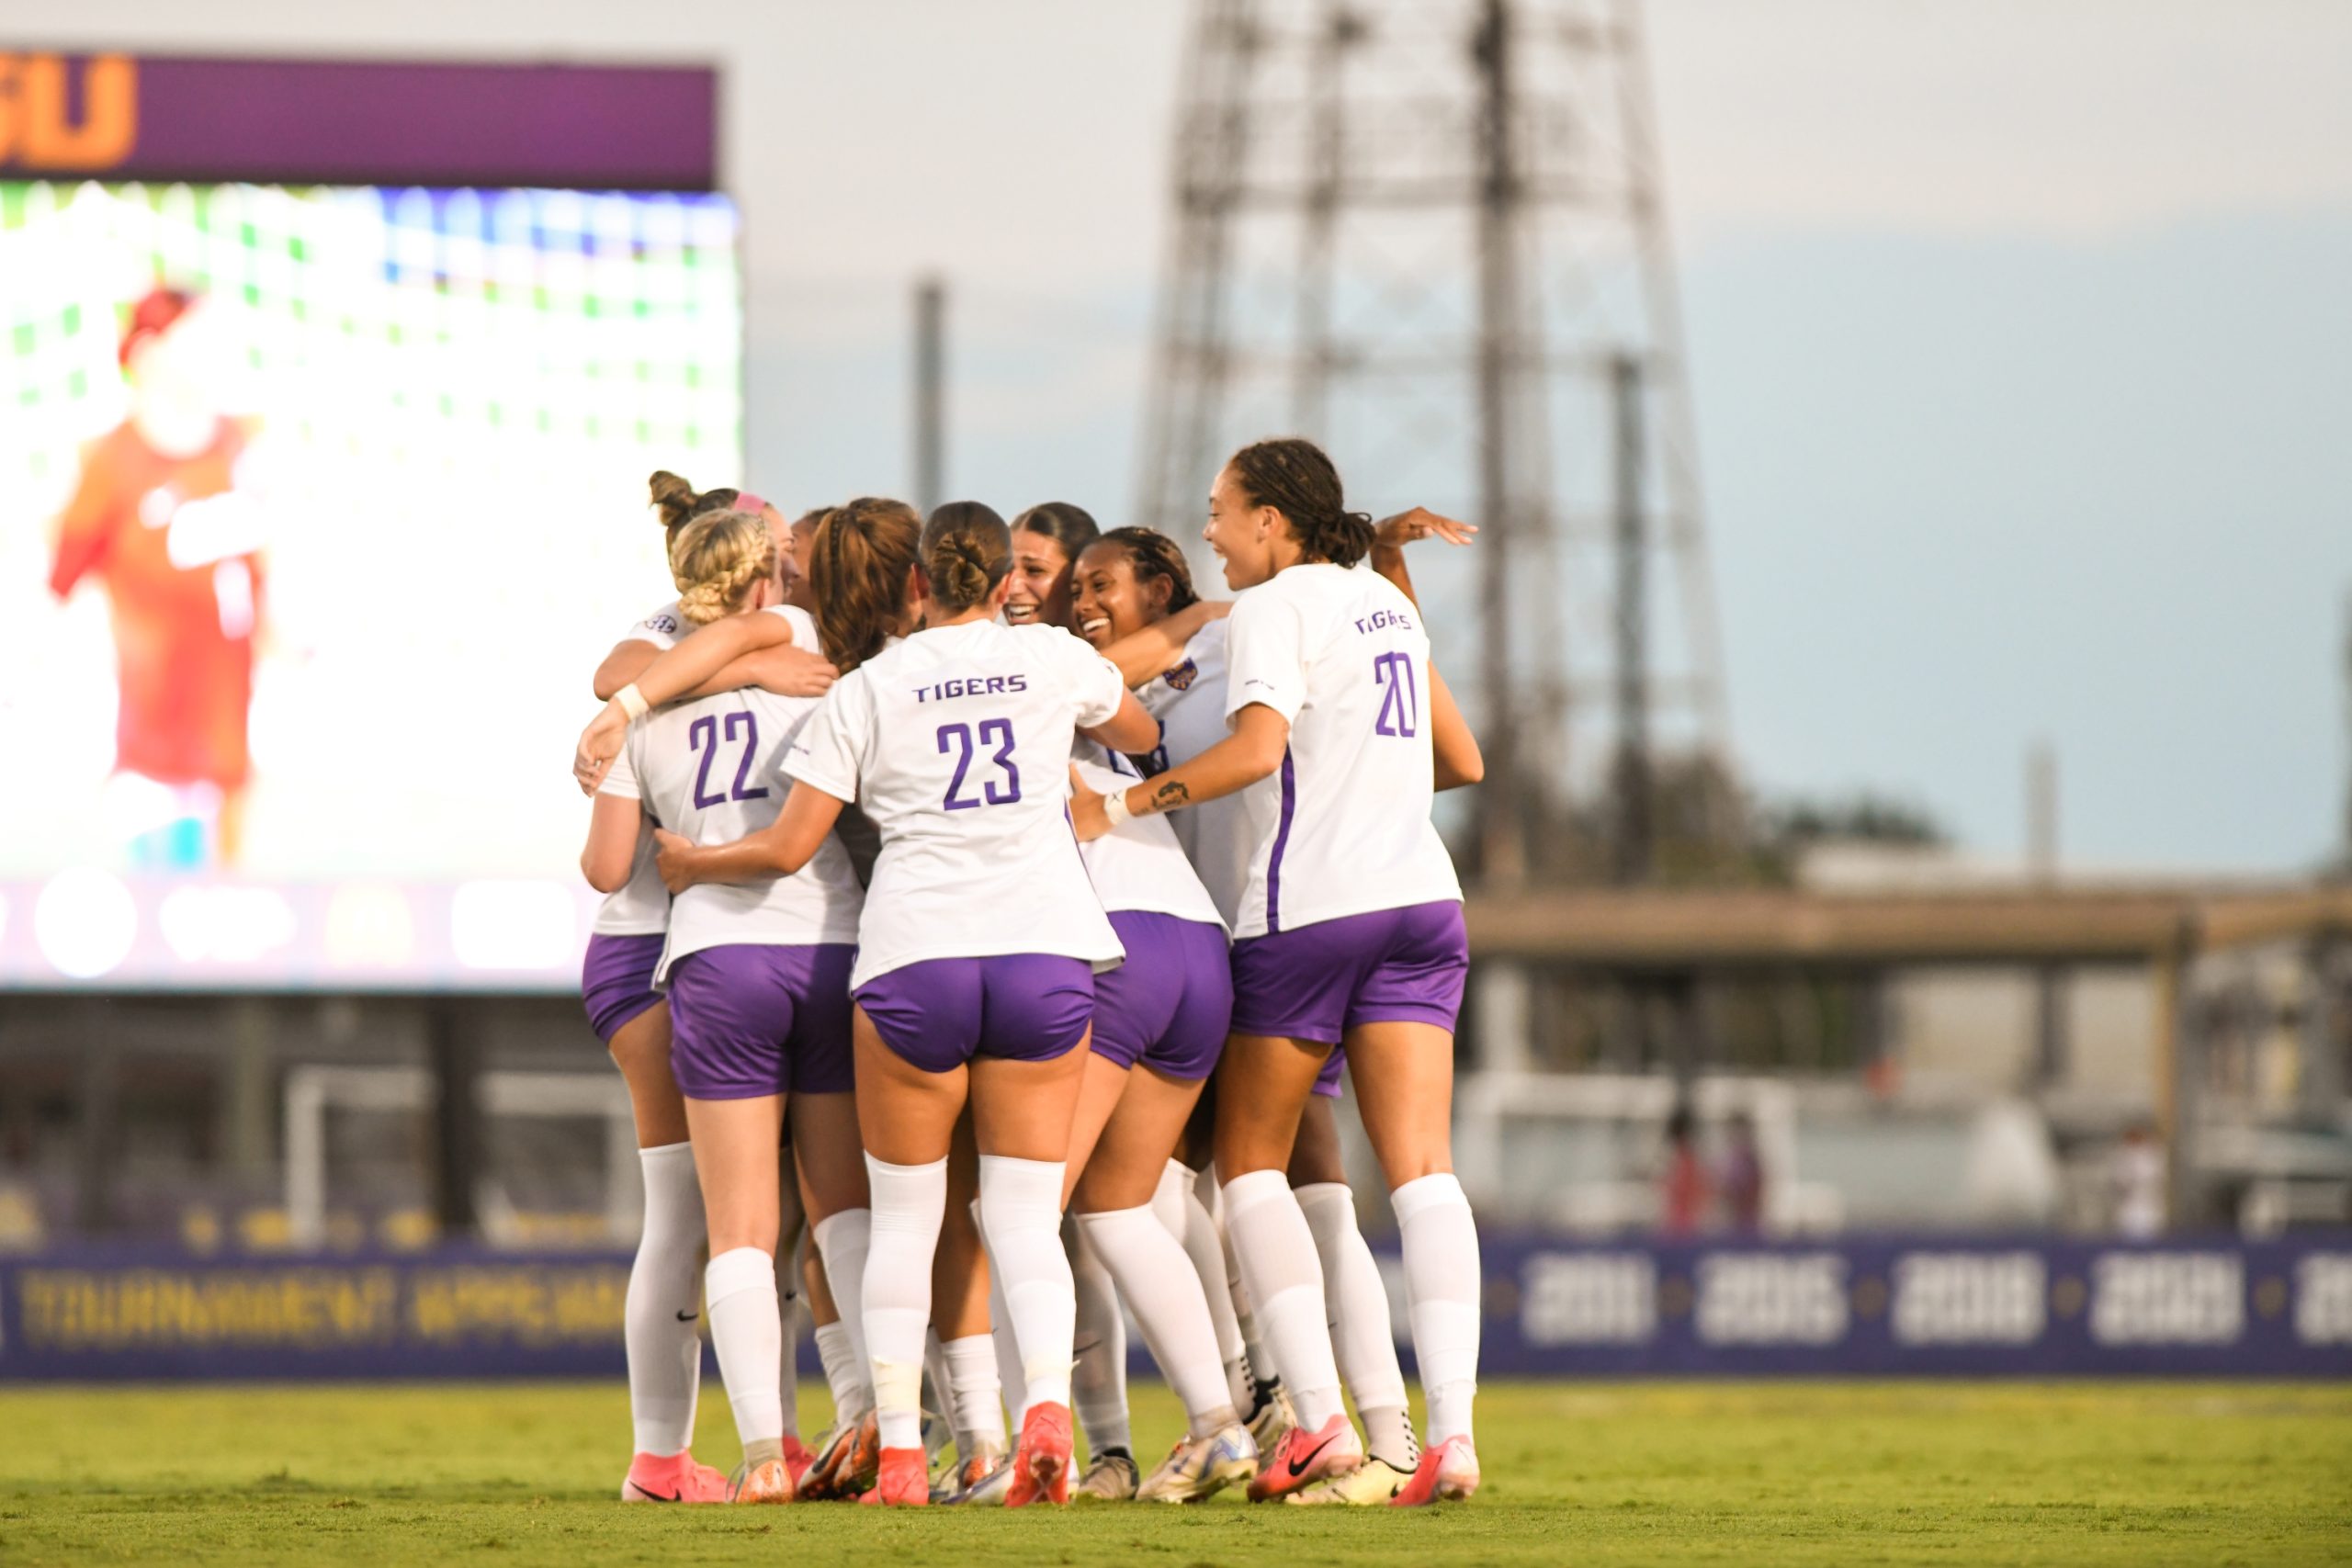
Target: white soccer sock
[908,1201]
[1001,1342]
[973,1388]
[1278,1265]
[1198,1232]
[664,1348]
[749,1337]
[787,1312]
[843,1241]
[1441,1280]
[1021,1214]
[852,1397]
[1265,1365]
[1157,1280]
[1355,1301]
[1097,1384]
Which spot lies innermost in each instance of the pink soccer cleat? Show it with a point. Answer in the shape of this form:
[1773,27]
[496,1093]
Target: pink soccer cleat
[672,1478]
[1447,1474]
[1303,1457]
[901,1480]
[1041,1461]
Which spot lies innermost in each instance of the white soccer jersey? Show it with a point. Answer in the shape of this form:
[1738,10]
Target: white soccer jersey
[1188,699]
[712,770]
[1342,827]
[957,743]
[1140,865]
[641,906]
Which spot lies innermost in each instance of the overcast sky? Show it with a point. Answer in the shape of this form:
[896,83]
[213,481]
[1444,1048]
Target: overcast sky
[2020,335]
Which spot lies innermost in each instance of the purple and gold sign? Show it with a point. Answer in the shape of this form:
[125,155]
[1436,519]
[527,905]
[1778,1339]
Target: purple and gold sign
[120,117]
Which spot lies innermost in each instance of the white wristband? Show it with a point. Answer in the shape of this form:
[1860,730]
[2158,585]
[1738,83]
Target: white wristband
[1114,807]
[632,702]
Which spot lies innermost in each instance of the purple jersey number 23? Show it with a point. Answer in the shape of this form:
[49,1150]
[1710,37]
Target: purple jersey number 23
[958,739]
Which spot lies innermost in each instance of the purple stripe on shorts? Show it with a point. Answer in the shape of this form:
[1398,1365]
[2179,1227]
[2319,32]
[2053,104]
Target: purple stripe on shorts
[1281,840]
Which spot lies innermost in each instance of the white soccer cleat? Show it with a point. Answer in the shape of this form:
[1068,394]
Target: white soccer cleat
[1198,1469]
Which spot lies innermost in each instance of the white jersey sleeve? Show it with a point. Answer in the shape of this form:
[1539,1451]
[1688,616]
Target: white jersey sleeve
[1188,699]
[1091,680]
[663,628]
[641,906]
[1342,827]
[955,743]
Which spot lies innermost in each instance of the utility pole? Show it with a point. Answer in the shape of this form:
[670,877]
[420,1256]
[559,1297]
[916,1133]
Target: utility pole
[930,394]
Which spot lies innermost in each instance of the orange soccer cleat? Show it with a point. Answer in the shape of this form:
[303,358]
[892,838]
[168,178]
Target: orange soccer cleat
[672,1478]
[1041,1461]
[1303,1457]
[901,1480]
[1447,1474]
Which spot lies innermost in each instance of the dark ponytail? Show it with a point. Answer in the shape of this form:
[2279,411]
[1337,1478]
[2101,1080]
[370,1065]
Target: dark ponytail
[1154,555]
[1292,476]
[859,563]
[967,550]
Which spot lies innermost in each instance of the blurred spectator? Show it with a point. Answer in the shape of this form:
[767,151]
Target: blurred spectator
[1683,1202]
[1740,1180]
[2139,1181]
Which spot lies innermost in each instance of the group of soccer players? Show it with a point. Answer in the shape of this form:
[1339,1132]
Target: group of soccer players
[989,920]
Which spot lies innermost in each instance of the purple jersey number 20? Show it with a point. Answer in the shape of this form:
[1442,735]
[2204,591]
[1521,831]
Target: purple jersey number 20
[958,739]
[1400,696]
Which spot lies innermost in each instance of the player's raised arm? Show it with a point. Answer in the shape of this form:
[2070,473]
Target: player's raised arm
[1145,652]
[778,850]
[1453,745]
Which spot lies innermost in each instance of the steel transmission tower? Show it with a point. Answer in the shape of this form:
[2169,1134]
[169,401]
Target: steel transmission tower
[1428,234]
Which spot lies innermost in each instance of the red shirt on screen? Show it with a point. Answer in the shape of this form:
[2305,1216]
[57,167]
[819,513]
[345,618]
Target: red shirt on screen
[184,634]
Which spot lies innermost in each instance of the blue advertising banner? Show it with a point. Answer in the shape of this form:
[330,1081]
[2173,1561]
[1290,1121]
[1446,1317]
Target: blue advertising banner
[1879,1307]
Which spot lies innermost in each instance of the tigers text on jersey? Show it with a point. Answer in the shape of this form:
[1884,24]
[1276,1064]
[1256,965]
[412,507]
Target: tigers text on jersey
[1140,865]
[956,742]
[1188,699]
[1342,827]
[641,906]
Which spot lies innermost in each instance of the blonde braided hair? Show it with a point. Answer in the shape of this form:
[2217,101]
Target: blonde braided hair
[717,559]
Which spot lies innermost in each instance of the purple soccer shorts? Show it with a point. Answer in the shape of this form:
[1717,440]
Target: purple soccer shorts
[1317,982]
[1022,1007]
[755,1019]
[617,980]
[1168,1005]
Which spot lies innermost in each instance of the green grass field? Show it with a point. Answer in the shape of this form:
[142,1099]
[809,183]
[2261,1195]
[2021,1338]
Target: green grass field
[1747,1474]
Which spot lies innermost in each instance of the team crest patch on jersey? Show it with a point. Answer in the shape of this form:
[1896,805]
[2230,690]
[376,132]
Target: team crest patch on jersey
[1183,676]
[666,625]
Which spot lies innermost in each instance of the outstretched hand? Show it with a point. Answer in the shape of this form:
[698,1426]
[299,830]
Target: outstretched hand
[1420,522]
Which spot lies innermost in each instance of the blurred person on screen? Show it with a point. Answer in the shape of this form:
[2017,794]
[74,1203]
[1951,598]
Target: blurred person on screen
[163,520]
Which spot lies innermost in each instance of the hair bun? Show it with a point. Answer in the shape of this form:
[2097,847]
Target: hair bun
[673,499]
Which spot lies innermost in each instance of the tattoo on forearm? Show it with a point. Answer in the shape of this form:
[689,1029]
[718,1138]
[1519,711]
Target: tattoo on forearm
[1170,795]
